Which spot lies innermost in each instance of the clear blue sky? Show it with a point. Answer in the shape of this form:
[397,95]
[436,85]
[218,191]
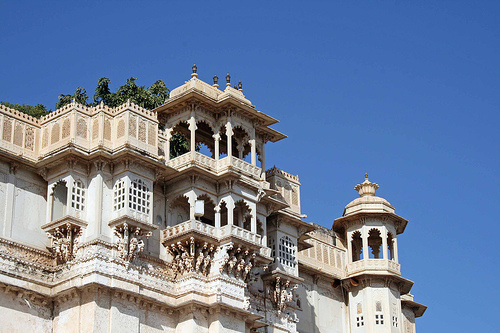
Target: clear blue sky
[407,91]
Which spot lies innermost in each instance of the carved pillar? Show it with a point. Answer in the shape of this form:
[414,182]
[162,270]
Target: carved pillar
[384,244]
[349,248]
[253,152]
[167,149]
[229,134]
[263,159]
[230,210]
[395,249]
[99,165]
[364,236]
[192,128]
[253,222]
[217,140]
[217,216]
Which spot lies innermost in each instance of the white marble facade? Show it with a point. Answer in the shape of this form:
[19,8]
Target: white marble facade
[101,230]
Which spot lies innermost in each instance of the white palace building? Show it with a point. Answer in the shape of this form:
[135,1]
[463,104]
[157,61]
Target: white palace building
[101,230]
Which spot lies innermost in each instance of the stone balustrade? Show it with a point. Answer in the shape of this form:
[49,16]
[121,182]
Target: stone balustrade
[222,232]
[217,166]
[373,265]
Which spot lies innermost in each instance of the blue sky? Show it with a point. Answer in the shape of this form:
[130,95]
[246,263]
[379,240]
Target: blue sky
[407,91]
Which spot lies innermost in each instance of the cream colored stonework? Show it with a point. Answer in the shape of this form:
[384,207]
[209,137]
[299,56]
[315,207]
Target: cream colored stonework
[102,231]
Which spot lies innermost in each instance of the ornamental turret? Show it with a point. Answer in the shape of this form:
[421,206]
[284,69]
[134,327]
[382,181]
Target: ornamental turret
[377,292]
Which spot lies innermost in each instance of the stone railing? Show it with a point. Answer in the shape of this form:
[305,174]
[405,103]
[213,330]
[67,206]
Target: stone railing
[234,230]
[373,265]
[219,167]
[222,232]
[184,227]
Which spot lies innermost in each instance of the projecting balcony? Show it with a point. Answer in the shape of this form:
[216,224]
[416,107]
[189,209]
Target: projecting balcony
[373,266]
[201,231]
[217,167]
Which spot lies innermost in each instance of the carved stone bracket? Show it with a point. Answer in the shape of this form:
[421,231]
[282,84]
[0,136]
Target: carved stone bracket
[281,292]
[238,262]
[65,236]
[130,235]
[192,256]
[130,241]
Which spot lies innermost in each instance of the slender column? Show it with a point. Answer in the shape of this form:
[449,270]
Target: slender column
[253,152]
[229,134]
[191,200]
[217,140]
[384,244]
[217,216]
[167,150]
[349,248]
[253,222]
[230,210]
[395,249]
[263,159]
[9,205]
[364,236]
[99,165]
[192,128]
[264,232]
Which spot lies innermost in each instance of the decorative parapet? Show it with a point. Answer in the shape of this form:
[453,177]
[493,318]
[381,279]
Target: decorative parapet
[65,236]
[365,265]
[325,259]
[75,125]
[235,231]
[275,171]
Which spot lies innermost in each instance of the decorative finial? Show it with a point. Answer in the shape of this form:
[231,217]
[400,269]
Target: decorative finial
[216,81]
[228,80]
[195,69]
[235,86]
[240,86]
[366,187]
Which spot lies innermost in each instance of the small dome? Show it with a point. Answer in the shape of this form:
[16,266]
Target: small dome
[368,202]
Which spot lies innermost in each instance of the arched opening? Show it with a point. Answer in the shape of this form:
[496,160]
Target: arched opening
[222,142]
[240,140]
[242,215]
[260,228]
[209,210]
[356,246]
[223,214]
[247,157]
[59,200]
[374,242]
[179,210]
[204,139]
[390,246]
[180,141]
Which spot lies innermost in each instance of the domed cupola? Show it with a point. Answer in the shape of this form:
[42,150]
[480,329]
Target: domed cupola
[368,202]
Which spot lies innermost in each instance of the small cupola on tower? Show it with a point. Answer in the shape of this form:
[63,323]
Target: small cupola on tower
[370,225]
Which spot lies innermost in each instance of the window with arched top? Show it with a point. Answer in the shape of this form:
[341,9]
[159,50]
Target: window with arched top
[271,243]
[360,321]
[356,246]
[78,196]
[379,315]
[119,195]
[139,196]
[59,199]
[286,252]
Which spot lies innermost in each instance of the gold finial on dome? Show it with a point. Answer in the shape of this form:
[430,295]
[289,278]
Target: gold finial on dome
[366,187]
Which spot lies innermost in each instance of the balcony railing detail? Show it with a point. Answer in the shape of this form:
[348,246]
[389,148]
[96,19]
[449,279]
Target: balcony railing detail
[373,265]
[222,232]
[216,166]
